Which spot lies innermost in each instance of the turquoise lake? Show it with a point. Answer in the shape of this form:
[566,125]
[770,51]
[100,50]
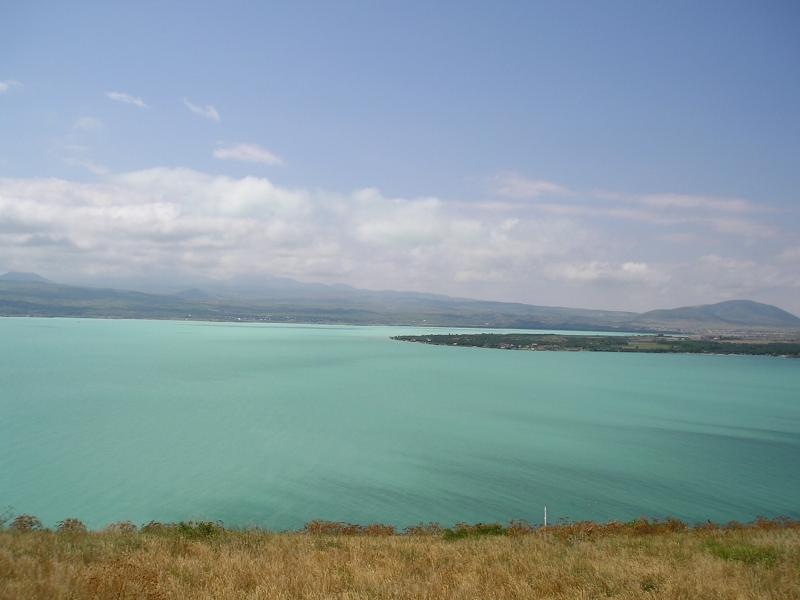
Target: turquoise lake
[276,425]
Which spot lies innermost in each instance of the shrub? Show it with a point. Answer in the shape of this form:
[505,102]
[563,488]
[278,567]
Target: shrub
[332,528]
[776,523]
[645,526]
[580,530]
[340,528]
[154,527]
[191,529]
[72,526]
[199,529]
[123,527]
[26,524]
[675,525]
[424,529]
[520,527]
[378,529]
[462,530]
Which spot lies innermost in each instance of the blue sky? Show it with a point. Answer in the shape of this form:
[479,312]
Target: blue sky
[616,154]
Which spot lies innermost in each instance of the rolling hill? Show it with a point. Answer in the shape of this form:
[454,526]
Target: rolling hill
[732,313]
[286,301]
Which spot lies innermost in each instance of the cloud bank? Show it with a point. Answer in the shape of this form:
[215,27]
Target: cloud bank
[182,225]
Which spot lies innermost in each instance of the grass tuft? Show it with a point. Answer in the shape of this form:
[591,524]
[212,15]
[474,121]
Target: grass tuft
[462,531]
[746,553]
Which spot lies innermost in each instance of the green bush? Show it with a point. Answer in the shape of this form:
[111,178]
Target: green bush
[199,529]
[462,531]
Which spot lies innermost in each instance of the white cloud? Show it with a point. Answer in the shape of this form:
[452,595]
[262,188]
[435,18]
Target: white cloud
[680,237]
[86,163]
[87,124]
[733,226]
[593,271]
[512,185]
[723,277]
[685,201]
[208,111]
[127,99]
[609,212]
[8,85]
[181,221]
[71,151]
[248,153]
[737,217]
[790,255]
[178,224]
[743,227]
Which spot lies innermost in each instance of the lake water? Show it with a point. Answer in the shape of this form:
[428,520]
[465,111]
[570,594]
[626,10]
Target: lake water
[276,425]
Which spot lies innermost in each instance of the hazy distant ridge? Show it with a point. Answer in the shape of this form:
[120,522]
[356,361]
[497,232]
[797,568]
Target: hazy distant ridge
[745,313]
[22,277]
[286,300]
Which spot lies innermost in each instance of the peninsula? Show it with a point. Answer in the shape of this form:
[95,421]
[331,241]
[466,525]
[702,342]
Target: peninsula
[788,347]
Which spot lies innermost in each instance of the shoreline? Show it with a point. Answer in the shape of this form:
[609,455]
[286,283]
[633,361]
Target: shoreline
[577,331]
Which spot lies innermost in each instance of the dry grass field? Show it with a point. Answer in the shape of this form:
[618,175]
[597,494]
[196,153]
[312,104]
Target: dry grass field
[580,561]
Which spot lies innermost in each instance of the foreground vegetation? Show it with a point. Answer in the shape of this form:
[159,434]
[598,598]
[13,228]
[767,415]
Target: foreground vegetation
[641,559]
[602,343]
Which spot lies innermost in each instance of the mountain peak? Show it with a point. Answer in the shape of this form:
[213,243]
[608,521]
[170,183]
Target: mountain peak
[747,313]
[23,277]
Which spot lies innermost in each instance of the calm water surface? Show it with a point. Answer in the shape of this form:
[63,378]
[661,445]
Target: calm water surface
[276,425]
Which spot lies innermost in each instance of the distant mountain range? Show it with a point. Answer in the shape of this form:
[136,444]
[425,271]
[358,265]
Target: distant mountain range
[285,301]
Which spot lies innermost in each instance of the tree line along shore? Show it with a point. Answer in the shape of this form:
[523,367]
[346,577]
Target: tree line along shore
[633,560]
[659,344]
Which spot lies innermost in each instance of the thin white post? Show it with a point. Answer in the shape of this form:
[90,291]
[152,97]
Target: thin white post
[545,516]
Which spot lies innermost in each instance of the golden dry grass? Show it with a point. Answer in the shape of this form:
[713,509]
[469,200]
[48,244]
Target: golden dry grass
[577,563]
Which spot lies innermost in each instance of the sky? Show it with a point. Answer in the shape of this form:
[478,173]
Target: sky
[618,155]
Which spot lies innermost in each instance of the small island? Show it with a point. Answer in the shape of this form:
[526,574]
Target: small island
[789,348]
